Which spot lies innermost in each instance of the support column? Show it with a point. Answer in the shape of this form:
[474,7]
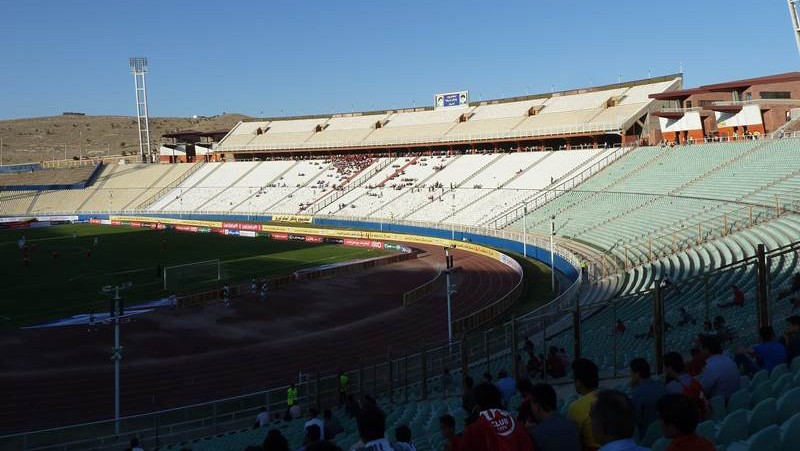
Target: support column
[658,327]
[763,303]
[514,349]
[576,329]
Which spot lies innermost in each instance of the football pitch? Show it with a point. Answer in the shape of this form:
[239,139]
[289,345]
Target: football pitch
[66,270]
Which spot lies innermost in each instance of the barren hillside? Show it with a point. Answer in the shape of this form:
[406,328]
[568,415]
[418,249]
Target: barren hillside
[45,138]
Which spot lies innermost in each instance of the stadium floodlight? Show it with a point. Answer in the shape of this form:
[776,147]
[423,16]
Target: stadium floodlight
[139,69]
[795,21]
[176,276]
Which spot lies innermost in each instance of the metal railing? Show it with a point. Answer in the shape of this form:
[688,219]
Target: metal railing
[541,197]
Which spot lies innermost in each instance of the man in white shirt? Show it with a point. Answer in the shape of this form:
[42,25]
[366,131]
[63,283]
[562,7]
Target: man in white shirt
[720,376]
[262,419]
[316,421]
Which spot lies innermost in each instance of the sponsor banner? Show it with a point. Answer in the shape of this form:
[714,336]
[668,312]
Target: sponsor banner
[57,218]
[304,219]
[358,238]
[217,224]
[451,99]
[297,238]
[184,228]
[241,226]
[219,230]
[105,222]
[94,221]
[314,239]
[247,233]
[231,232]
[357,243]
[397,248]
[16,219]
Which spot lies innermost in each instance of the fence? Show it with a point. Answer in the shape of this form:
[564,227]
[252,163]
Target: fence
[413,375]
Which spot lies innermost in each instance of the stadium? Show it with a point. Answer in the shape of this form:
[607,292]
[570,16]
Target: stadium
[290,265]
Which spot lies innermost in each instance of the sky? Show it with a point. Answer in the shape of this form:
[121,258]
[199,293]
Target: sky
[295,57]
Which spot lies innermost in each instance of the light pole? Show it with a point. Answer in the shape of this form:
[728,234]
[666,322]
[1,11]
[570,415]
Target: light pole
[452,221]
[117,311]
[525,231]
[552,254]
[449,266]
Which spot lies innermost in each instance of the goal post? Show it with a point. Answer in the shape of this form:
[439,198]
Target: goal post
[177,276]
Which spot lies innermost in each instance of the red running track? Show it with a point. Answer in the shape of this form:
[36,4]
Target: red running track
[64,376]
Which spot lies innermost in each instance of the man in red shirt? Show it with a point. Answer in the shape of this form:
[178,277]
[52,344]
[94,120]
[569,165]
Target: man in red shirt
[679,417]
[447,424]
[738,298]
[495,429]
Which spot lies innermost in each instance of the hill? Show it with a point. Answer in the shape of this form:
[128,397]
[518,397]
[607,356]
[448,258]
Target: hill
[45,138]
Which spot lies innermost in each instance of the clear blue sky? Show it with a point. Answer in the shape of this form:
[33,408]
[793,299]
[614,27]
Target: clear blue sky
[302,57]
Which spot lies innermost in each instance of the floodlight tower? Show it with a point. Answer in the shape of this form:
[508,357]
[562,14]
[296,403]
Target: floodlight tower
[795,21]
[139,69]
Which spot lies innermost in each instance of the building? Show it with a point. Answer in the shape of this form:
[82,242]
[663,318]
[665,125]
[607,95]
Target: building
[728,111]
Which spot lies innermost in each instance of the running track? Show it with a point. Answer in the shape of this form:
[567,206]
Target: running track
[80,387]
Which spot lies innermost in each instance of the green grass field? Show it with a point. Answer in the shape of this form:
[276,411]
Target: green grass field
[51,288]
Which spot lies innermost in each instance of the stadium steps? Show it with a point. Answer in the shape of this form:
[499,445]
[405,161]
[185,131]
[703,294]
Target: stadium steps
[506,182]
[356,180]
[167,189]
[481,169]
[678,189]
[196,184]
[607,187]
[406,190]
[108,173]
[274,180]
[244,174]
[321,173]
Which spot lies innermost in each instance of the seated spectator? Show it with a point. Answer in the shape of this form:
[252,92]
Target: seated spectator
[552,431]
[737,301]
[332,427]
[679,418]
[495,429]
[554,363]
[447,382]
[769,354]
[586,383]
[678,382]
[312,437]
[720,376]
[722,331]
[791,337]
[467,395]
[645,393]
[534,366]
[262,419]
[372,430]
[506,385]
[275,441]
[135,445]
[402,437]
[447,425]
[686,317]
[314,420]
[613,422]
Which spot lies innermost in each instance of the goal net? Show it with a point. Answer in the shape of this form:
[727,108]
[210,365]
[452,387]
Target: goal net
[178,277]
